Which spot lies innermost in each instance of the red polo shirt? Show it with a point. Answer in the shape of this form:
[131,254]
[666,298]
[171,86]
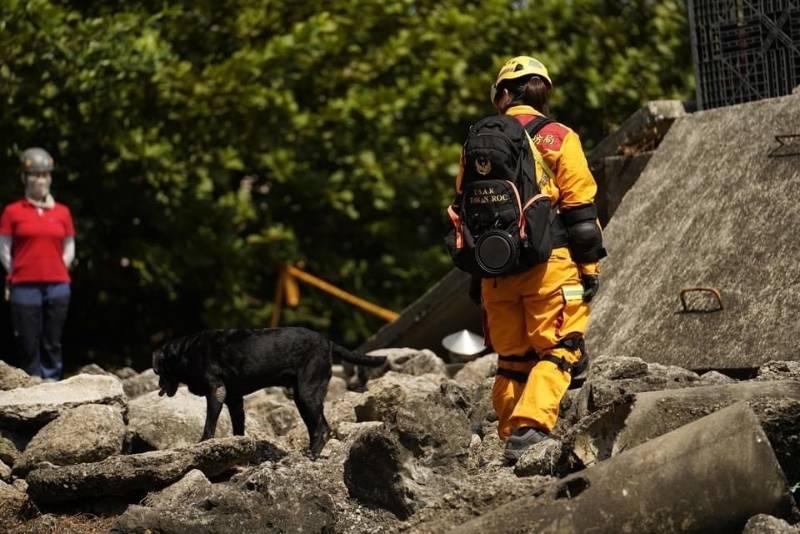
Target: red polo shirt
[37,241]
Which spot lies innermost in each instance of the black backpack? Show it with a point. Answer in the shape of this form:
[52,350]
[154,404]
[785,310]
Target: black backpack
[501,221]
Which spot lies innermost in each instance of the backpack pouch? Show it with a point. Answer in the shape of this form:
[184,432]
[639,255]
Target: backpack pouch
[537,243]
[492,214]
[460,243]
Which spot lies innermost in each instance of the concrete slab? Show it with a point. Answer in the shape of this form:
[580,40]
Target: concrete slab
[711,209]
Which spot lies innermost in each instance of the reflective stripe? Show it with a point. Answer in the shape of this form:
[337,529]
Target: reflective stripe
[572,293]
[456,220]
[539,159]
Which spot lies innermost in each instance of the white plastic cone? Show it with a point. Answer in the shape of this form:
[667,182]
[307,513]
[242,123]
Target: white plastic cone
[464,343]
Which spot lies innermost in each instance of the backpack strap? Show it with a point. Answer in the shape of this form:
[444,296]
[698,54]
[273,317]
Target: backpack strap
[537,124]
[532,128]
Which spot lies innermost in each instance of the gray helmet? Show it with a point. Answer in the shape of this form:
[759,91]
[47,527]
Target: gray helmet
[36,160]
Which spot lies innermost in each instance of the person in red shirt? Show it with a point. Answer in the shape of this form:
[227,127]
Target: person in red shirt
[37,246]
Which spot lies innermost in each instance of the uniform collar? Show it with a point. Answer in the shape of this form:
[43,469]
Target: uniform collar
[522,110]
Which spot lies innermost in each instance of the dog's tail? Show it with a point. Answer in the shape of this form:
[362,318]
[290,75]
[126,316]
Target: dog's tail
[358,359]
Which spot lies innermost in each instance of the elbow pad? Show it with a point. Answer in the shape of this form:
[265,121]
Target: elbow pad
[585,238]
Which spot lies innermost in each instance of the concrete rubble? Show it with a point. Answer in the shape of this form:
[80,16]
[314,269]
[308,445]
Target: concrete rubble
[711,475]
[418,453]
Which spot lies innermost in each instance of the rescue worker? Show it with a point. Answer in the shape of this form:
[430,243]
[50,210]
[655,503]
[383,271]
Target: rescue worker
[536,319]
[37,246]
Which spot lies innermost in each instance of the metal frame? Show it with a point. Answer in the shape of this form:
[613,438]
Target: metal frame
[744,50]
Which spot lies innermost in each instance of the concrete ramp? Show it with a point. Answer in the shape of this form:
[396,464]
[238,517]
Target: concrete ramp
[718,206]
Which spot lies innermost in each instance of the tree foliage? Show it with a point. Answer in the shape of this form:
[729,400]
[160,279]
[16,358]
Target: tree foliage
[201,144]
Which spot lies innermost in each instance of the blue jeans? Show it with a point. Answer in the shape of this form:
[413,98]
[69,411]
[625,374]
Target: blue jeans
[38,313]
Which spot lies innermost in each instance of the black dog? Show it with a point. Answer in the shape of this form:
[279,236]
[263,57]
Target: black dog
[225,365]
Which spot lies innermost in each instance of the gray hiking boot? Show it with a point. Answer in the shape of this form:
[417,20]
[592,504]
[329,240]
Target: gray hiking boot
[520,441]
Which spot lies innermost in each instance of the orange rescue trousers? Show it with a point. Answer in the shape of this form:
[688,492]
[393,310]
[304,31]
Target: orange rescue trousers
[534,310]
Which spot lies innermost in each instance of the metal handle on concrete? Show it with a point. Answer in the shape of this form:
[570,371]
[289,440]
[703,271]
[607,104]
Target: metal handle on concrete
[712,290]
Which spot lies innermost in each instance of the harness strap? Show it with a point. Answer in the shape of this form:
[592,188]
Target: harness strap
[530,356]
[571,344]
[561,363]
[517,376]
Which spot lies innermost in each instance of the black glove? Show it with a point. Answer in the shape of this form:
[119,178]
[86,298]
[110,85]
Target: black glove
[475,289]
[591,284]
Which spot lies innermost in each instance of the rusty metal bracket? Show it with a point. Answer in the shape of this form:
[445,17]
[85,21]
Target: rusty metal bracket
[712,290]
[788,145]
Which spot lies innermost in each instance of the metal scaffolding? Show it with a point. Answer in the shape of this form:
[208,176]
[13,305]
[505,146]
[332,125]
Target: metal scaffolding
[744,50]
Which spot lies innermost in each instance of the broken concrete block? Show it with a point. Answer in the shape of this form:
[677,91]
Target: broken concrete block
[654,413]
[710,475]
[766,524]
[543,459]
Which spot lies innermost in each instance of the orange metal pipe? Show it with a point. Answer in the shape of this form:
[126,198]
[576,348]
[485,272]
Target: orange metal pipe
[383,313]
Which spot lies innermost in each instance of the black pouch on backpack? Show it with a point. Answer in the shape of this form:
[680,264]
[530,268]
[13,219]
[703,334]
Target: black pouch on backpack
[539,215]
[492,213]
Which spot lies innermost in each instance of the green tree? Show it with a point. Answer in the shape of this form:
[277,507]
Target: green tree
[202,144]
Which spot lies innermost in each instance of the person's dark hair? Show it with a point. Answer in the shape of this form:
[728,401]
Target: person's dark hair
[533,91]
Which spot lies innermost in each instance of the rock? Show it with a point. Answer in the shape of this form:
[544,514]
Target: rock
[715,377]
[478,370]
[8,451]
[491,450]
[187,489]
[36,405]
[338,369]
[482,417]
[5,472]
[136,474]
[543,459]
[12,377]
[428,413]
[474,453]
[336,389]
[14,507]
[408,361]
[671,376]
[88,433]
[646,415]
[387,392]
[125,373]
[94,369]
[766,524]
[609,380]
[780,419]
[342,410]
[139,384]
[168,422]
[616,368]
[779,370]
[217,508]
[270,413]
[435,433]
[297,497]
[379,471]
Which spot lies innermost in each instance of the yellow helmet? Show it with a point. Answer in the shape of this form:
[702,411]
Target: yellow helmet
[518,67]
